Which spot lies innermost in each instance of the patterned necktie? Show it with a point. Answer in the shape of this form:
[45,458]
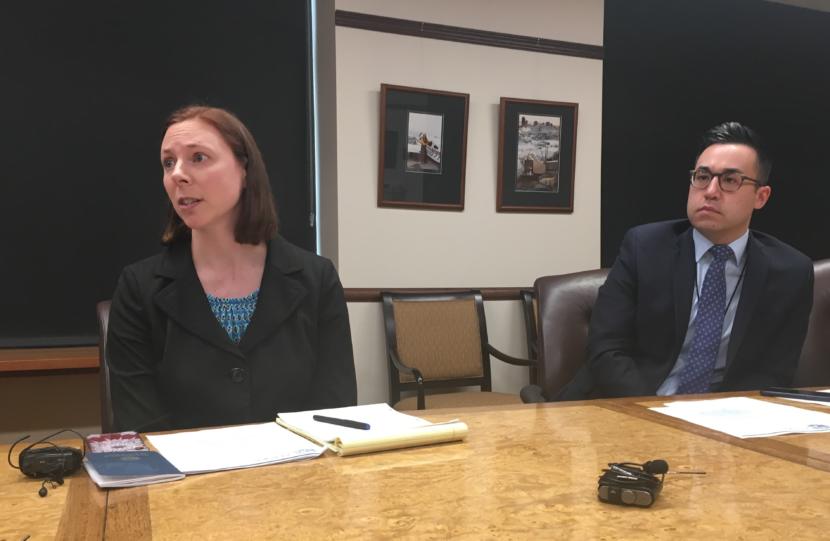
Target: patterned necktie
[697,373]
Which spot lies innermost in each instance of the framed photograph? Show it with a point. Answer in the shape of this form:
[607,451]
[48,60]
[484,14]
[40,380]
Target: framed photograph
[423,148]
[537,156]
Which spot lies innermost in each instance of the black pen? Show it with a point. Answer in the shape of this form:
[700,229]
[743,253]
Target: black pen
[798,394]
[341,422]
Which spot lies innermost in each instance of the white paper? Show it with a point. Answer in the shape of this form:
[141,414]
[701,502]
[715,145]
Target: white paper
[382,420]
[748,418]
[233,447]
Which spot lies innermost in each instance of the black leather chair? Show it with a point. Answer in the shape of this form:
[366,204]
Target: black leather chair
[564,306]
[107,423]
[814,365]
[530,312]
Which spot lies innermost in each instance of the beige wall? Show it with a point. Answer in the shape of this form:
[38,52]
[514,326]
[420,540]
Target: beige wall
[579,21]
[381,247]
[477,247]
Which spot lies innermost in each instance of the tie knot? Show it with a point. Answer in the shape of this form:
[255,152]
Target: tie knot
[721,252]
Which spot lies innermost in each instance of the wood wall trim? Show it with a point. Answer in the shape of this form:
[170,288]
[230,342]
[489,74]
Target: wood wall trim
[473,36]
[370,294]
[74,360]
[43,360]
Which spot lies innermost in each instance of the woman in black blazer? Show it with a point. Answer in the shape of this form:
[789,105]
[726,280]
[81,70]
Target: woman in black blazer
[230,323]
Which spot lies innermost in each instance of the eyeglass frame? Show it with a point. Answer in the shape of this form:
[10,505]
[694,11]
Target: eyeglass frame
[744,179]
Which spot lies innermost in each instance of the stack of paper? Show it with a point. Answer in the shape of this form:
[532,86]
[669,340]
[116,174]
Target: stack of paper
[233,447]
[748,418]
[388,429]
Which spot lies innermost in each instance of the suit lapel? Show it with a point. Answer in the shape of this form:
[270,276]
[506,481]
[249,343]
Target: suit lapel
[279,295]
[685,272]
[755,275]
[184,300]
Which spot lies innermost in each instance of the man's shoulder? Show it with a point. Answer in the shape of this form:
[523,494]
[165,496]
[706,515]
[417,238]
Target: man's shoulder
[780,255]
[659,232]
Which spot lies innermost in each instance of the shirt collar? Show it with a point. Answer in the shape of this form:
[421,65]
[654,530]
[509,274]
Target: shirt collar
[702,245]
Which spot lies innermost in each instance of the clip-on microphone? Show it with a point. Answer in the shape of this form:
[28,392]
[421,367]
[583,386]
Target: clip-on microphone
[52,462]
[625,483]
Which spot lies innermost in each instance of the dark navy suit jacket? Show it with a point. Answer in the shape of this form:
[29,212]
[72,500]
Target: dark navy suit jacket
[173,366]
[642,314]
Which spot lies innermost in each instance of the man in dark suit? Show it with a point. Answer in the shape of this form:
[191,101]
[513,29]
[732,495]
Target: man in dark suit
[703,304]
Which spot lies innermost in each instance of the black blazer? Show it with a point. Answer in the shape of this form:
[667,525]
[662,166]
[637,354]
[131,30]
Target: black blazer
[642,314]
[172,365]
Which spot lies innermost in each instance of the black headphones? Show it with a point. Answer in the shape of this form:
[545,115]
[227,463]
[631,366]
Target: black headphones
[627,483]
[642,472]
[51,462]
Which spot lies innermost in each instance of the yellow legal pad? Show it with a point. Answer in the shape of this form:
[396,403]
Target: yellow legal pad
[388,429]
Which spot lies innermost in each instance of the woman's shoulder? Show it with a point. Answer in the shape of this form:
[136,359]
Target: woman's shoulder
[291,257]
[161,263]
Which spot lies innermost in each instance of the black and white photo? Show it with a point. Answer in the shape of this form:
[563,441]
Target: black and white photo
[423,148]
[423,143]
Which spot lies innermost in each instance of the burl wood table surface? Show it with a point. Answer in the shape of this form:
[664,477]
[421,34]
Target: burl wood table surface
[524,472]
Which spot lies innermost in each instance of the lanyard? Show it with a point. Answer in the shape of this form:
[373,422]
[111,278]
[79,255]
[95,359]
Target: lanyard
[734,290]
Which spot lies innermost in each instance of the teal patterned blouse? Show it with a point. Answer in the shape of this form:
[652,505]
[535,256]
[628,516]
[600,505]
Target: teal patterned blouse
[234,314]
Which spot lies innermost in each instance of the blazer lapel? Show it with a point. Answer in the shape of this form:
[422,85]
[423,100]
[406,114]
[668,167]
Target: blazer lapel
[184,300]
[279,295]
[755,275]
[685,272]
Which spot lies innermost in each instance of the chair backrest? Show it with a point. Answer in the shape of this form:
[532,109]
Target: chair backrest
[530,312]
[814,365]
[103,310]
[565,303]
[443,336]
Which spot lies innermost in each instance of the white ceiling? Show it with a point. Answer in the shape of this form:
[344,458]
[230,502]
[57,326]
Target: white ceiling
[820,5]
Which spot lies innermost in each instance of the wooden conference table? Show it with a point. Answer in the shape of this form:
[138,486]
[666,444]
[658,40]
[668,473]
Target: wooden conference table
[525,472]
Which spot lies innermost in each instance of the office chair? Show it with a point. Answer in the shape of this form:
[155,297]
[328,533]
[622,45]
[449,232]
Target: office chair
[565,303]
[437,342]
[107,422]
[530,313]
[814,365]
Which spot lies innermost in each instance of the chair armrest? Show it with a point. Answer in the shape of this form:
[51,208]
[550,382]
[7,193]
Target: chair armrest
[531,394]
[415,373]
[508,359]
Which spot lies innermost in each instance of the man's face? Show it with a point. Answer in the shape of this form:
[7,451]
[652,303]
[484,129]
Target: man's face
[724,216]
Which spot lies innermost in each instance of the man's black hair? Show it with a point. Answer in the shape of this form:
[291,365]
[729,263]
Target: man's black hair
[737,133]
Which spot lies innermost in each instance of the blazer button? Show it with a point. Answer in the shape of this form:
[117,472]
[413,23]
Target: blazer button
[238,375]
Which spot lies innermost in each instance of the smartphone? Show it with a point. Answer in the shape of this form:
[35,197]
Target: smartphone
[784,392]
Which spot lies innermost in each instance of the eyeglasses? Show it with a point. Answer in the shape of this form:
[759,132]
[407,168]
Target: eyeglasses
[729,181]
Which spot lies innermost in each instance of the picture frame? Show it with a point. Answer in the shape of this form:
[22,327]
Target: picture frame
[537,156]
[423,148]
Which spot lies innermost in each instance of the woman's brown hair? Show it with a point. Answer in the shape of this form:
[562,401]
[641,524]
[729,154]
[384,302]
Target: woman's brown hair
[257,218]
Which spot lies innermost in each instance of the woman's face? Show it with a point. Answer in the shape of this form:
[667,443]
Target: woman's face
[202,177]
